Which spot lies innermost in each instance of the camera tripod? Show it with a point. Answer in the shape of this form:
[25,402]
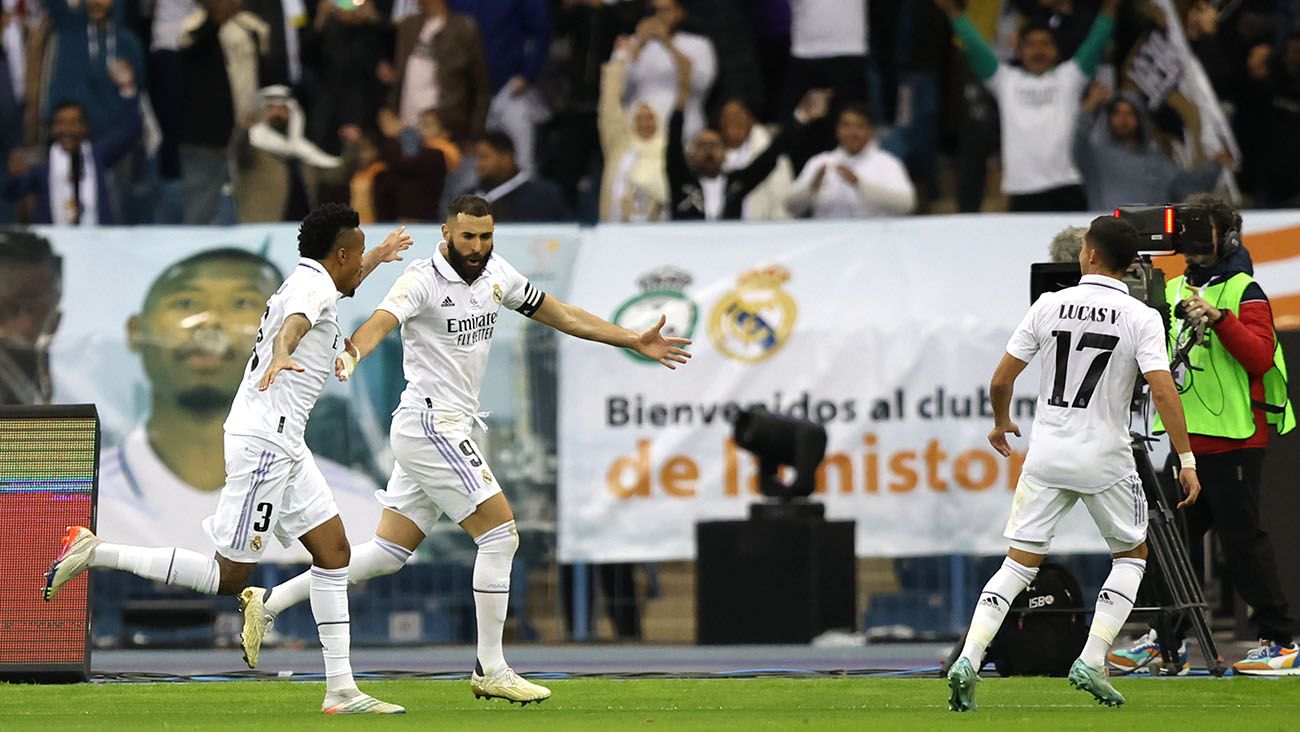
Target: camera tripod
[1183,601]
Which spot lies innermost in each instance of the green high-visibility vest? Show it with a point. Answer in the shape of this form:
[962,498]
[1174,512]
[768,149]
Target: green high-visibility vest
[1216,390]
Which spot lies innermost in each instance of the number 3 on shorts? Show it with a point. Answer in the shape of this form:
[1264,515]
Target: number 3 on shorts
[467,447]
[264,522]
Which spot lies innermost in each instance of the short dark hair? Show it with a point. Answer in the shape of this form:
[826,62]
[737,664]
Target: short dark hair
[1037,23]
[1115,240]
[22,246]
[470,205]
[500,142]
[1222,214]
[220,254]
[67,104]
[319,233]
[858,108]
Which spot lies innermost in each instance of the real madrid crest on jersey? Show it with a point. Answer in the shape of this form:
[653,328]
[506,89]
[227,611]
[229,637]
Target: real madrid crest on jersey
[662,293]
[256,543]
[753,321]
[496,292]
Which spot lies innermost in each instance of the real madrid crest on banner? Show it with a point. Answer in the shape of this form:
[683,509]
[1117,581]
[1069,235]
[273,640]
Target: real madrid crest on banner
[662,293]
[753,321]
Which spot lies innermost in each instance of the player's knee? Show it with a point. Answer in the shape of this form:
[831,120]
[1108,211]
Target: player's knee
[503,540]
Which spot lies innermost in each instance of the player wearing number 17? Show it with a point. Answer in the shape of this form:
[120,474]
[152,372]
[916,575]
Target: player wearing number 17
[1095,339]
[447,307]
[273,487]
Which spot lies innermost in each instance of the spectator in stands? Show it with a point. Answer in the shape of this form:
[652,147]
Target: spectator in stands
[92,51]
[346,47]
[1039,103]
[221,52]
[515,195]
[368,188]
[71,186]
[516,37]
[744,141]
[855,180]
[413,180]
[1271,110]
[167,80]
[633,187]
[1121,162]
[282,55]
[828,49]
[440,65]
[652,73]
[280,170]
[698,186]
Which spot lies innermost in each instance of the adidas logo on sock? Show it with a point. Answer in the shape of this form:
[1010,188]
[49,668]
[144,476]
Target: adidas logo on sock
[1105,597]
[990,600]
[447,303]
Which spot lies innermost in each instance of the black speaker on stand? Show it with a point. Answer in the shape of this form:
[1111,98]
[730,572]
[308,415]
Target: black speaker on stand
[785,575]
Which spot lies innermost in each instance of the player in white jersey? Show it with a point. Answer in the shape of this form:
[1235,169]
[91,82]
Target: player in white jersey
[273,485]
[1095,339]
[447,306]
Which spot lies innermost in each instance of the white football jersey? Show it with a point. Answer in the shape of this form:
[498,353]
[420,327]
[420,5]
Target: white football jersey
[447,328]
[1095,341]
[279,414]
[142,502]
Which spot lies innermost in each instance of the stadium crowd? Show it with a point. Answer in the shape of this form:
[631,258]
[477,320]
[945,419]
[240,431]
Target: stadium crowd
[225,111]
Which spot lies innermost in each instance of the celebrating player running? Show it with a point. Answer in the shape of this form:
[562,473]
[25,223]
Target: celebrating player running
[273,486]
[447,306]
[1095,340]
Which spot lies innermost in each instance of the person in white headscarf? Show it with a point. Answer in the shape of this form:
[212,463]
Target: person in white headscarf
[634,185]
[280,170]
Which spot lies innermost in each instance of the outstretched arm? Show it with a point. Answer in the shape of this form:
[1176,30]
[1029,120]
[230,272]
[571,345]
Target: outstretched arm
[579,323]
[363,342]
[389,251]
[1000,390]
[282,348]
[1094,46]
[981,58]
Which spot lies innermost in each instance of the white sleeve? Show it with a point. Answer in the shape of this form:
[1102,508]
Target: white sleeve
[408,296]
[308,299]
[520,295]
[1024,342]
[1150,347]
[997,83]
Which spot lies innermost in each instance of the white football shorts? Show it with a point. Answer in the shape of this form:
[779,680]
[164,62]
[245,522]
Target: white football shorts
[1119,511]
[439,469]
[266,493]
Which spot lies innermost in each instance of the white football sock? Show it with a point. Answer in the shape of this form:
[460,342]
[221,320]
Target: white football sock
[329,605]
[375,558]
[995,601]
[1114,603]
[174,566]
[496,551]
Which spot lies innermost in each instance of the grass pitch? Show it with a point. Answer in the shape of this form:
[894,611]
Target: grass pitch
[712,704]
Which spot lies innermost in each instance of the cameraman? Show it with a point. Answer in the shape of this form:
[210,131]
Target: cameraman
[1234,388]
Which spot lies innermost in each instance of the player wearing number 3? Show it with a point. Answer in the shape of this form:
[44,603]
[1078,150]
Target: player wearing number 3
[447,307]
[273,487]
[1095,339]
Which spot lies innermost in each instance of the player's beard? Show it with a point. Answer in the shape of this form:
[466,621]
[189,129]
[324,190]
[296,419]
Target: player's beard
[467,271]
[203,399]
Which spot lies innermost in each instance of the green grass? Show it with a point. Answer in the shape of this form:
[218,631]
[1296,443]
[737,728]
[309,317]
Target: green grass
[1047,705]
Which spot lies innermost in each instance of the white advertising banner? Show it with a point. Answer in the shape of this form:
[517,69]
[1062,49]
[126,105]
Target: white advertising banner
[884,332]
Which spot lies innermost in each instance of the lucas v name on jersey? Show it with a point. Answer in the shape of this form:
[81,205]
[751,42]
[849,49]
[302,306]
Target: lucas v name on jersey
[1090,313]
[469,331]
